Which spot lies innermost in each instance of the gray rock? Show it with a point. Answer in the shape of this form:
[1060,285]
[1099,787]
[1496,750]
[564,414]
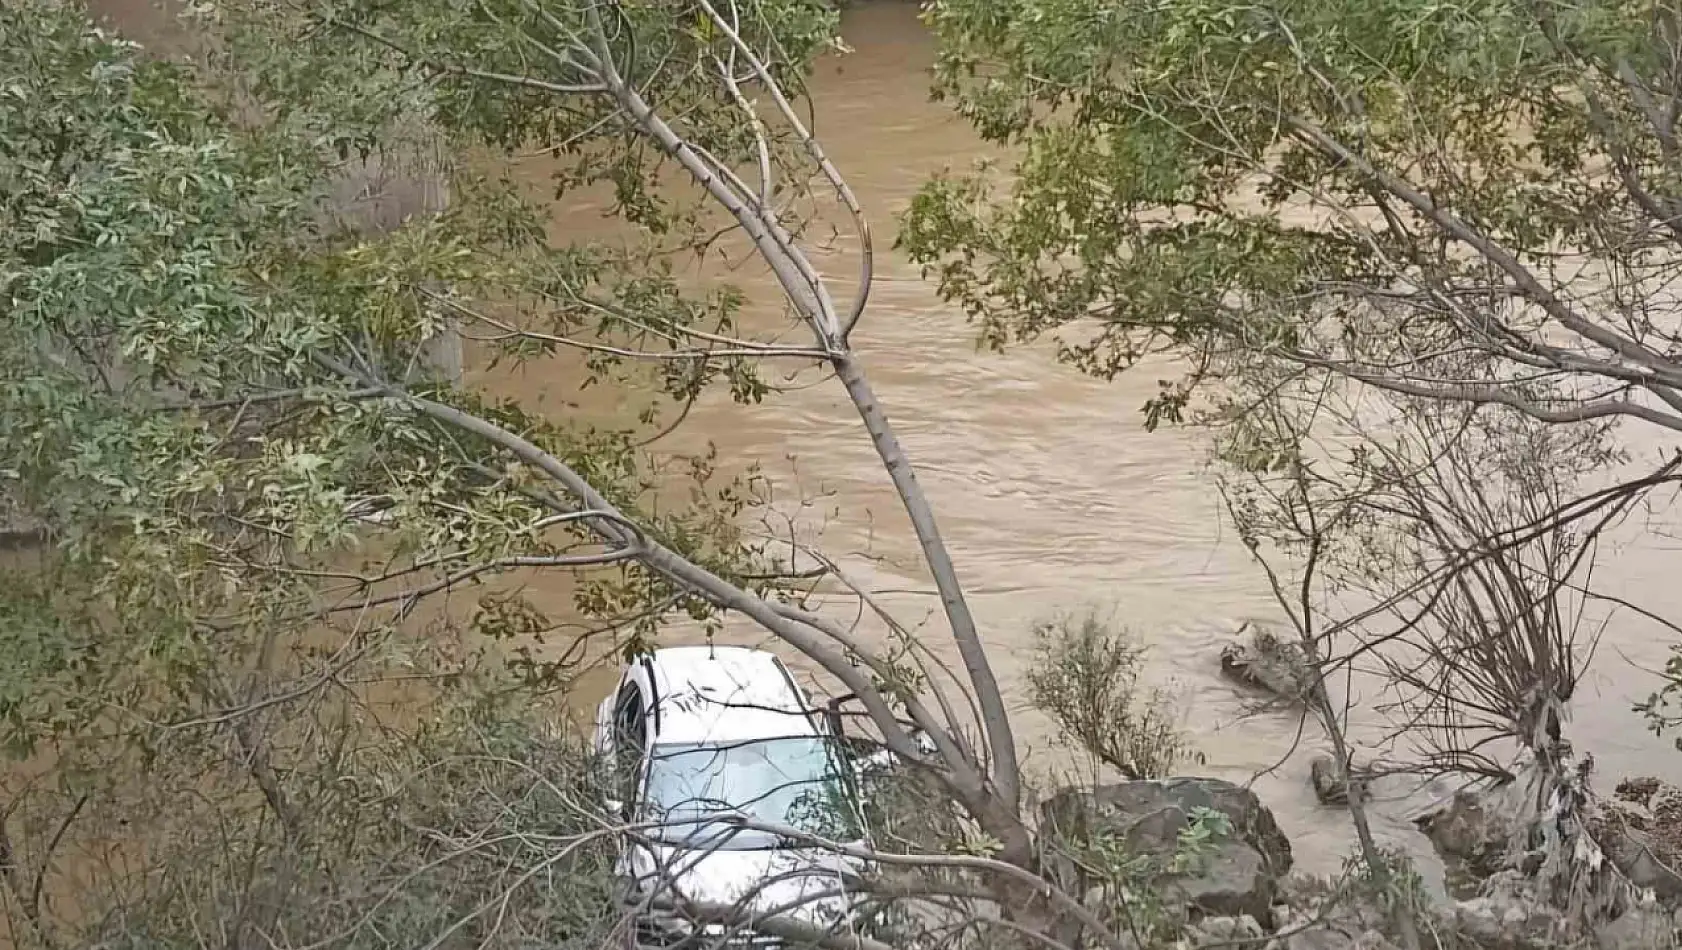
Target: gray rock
[1298,930]
[1473,831]
[1331,921]
[1260,659]
[1640,829]
[1508,916]
[1302,890]
[1330,787]
[1236,875]
[1234,880]
[1331,938]
[1638,855]
[1639,928]
[1237,932]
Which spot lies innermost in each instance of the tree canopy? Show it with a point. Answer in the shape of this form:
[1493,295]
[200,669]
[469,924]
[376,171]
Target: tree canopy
[217,405]
[1460,200]
[1414,261]
[1467,204]
[221,406]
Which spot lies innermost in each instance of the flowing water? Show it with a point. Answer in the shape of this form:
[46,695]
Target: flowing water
[1050,493]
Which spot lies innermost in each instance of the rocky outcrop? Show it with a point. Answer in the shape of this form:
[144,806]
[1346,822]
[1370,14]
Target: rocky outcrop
[1639,827]
[1640,928]
[1473,831]
[1261,660]
[1497,836]
[1315,913]
[1234,874]
[1509,915]
[1237,890]
[1641,830]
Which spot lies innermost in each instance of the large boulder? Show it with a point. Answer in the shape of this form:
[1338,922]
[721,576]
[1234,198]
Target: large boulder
[1234,874]
[1474,831]
[1260,659]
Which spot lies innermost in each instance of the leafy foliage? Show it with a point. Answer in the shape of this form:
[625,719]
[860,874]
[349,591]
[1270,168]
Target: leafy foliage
[208,385]
[471,828]
[1462,200]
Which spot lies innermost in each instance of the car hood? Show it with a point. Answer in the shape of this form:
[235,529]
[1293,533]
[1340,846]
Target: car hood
[763,880]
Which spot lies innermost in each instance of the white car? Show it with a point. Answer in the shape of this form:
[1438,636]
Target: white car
[705,744]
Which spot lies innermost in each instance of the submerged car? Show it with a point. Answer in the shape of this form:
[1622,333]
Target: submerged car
[729,779]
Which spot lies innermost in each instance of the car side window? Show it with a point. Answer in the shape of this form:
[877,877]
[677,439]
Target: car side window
[629,738]
[628,721]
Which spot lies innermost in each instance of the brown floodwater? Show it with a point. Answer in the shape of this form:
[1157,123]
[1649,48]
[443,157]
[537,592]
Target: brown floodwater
[1050,493]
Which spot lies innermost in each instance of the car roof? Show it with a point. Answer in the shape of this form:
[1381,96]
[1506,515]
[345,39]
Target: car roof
[724,694]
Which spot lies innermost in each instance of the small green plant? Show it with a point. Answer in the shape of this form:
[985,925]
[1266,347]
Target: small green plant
[1400,889]
[1139,895]
[1205,828]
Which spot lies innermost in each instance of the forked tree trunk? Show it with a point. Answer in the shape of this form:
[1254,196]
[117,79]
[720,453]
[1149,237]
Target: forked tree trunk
[1575,875]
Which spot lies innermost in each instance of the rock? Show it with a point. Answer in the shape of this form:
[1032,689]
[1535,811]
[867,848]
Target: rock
[1260,659]
[1330,938]
[1639,856]
[1473,830]
[1639,928]
[1640,829]
[1300,931]
[1234,880]
[1509,916]
[1329,785]
[1300,889]
[1233,875]
[1318,915]
[1237,932]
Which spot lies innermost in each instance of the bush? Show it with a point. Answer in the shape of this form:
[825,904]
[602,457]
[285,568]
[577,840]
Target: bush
[1086,676]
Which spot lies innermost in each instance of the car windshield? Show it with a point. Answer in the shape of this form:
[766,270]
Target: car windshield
[795,782]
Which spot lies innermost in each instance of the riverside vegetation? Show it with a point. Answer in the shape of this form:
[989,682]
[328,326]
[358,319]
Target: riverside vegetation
[1413,255]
